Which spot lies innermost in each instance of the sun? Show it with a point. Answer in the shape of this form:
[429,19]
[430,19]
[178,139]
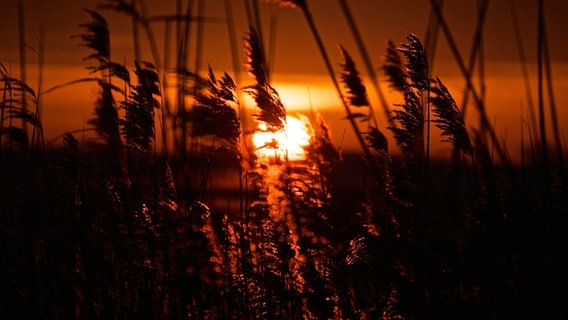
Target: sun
[290,142]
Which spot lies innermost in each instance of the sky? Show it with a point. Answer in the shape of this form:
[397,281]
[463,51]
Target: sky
[296,66]
[379,21]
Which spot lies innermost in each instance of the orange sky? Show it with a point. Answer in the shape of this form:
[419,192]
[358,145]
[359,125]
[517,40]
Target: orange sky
[295,62]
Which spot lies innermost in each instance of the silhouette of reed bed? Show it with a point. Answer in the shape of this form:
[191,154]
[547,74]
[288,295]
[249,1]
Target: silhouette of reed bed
[170,212]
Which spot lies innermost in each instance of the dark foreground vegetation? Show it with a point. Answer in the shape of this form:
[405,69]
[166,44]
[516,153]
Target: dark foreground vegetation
[105,226]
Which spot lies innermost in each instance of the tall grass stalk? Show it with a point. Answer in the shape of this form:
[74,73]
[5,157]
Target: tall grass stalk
[540,88]
[365,55]
[242,115]
[22,53]
[165,110]
[229,16]
[476,56]
[259,27]
[327,62]
[199,30]
[432,34]
[3,77]
[480,107]
[135,32]
[552,101]
[482,8]
[37,130]
[309,240]
[146,24]
[526,80]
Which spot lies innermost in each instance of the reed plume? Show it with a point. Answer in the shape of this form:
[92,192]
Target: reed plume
[255,58]
[412,81]
[106,116]
[302,5]
[357,96]
[393,67]
[416,62]
[410,133]
[356,91]
[272,111]
[365,56]
[138,125]
[15,97]
[97,38]
[377,140]
[449,118]
[214,113]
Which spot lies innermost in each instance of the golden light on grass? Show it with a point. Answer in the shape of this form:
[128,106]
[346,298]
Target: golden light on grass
[289,143]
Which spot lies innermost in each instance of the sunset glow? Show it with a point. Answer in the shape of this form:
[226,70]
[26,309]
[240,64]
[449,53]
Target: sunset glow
[317,94]
[291,142]
[283,159]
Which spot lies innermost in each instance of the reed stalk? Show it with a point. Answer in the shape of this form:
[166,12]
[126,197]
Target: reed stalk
[38,128]
[22,53]
[259,28]
[526,78]
[366,59]
[331,73]
[146,24]
[432,35]
[182,55]
[165,108]
[199,30]
[3,76]
[480,106]
[231,30]
[479,43]
[540,88]
[552,101]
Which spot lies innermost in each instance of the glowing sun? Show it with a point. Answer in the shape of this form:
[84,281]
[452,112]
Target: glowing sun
[290,142]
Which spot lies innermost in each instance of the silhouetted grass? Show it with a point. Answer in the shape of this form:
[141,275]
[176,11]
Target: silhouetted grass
[114,226]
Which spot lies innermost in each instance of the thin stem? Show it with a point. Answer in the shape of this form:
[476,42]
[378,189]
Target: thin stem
[331,72]
[135,33]
[258,27]
[233,44]
[525,71]
[183,48]
[165,106]
[431,38]
[476,97]
[540,59]
[39,127]
[151,37]
[199,35]
[248,12]
[366,59]
[272,41]
[3,104]
[552,100]
[22,52]
[428,131]
[475,51]
[478,44]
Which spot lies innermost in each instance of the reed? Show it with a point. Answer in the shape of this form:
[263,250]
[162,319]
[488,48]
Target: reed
[303,6]
[365,55]
[110,226]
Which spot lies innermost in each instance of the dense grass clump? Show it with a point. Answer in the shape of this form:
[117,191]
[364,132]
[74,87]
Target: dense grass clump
[124,224]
